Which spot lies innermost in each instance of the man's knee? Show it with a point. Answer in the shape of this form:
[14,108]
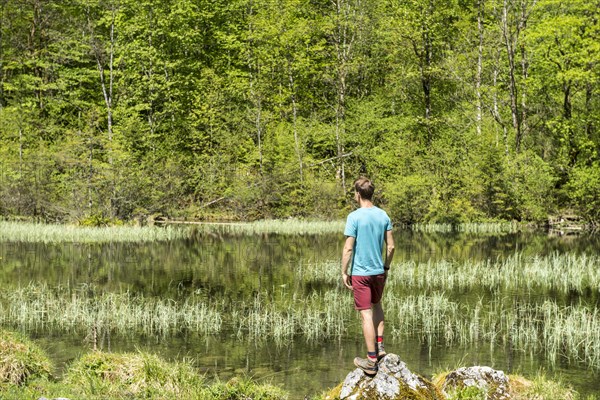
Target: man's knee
[366,314]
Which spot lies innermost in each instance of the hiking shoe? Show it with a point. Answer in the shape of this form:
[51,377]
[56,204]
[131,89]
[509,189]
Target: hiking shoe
[368,367]
[380,351]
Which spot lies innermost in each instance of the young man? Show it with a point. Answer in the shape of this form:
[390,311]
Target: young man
[366,230]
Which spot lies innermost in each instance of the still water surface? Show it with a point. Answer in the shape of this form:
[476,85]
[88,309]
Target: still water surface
[239,267]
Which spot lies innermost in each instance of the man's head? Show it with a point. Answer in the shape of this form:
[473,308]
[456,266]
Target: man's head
[364,188]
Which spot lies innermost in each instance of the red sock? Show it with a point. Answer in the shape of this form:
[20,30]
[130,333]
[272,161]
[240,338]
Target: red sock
[379,339]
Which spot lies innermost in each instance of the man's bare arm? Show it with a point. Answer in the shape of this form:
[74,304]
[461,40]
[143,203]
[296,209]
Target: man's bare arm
[346,257]
[389,249]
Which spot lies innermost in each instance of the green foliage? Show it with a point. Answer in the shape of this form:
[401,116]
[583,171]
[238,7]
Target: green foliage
[242,109]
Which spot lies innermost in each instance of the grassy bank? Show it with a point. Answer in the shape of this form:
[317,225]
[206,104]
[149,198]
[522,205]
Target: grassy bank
[100,375]
[26,372]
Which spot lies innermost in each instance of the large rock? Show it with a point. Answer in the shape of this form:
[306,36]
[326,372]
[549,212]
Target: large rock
[394,381]
[489,381]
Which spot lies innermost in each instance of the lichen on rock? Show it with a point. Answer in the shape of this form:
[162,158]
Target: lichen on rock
[494,383]
[393,381]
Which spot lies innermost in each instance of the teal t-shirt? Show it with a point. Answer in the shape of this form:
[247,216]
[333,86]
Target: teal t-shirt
[368,225]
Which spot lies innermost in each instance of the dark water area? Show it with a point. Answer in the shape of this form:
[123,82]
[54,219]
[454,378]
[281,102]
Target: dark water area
[239,267]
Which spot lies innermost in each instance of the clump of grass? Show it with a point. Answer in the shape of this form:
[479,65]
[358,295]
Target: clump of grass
[21,359]
[49,233]
[139,375]
[541,388]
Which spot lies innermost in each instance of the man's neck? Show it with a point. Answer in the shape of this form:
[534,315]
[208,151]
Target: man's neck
[365,203]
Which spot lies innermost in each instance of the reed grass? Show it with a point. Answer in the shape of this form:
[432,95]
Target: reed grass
[293,226]
[564,273]
[48,233]
[36,307]
[54,233]
[557,331]
[474,227]
[290,226]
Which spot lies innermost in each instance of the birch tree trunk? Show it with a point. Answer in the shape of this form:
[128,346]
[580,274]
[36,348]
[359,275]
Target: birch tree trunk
[344,39]
[107,93]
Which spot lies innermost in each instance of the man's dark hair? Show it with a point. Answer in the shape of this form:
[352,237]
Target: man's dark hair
[364,187]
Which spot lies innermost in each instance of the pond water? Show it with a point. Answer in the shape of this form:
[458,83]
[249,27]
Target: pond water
[238,268]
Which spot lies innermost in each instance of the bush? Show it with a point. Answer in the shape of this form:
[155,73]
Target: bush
[529,181]
[409,198]
[583,190]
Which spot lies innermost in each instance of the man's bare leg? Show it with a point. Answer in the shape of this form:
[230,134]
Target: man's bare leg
[378,324]
[369,364]
[368,329]
[378,318]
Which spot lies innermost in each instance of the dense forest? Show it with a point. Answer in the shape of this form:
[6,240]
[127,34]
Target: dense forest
[459,110]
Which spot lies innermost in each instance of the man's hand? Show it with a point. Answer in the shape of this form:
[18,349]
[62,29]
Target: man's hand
[347,281]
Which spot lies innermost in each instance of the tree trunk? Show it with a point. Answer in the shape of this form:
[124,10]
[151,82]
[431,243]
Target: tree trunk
[36,44]
[479,65]
[343,42]
[426,72]
[107,93]
[294,121]
[508,37]
[495,110]
[254,67]
[150,74]
[524,73]
[589,125]
[2,4]
[567,107]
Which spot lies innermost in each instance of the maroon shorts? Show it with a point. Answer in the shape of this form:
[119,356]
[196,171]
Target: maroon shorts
[367,290]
